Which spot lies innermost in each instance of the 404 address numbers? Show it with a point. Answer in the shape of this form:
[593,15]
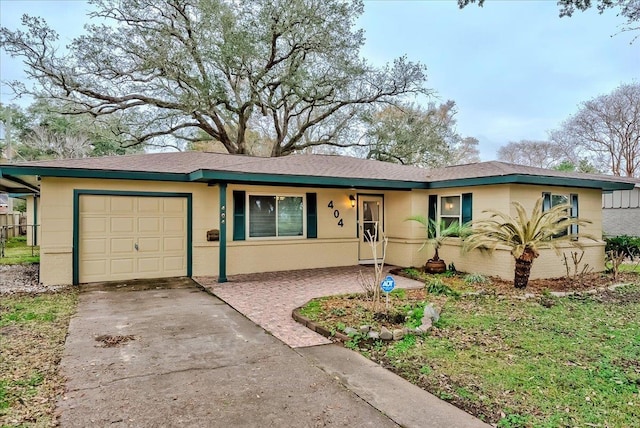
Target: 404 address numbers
[336,213]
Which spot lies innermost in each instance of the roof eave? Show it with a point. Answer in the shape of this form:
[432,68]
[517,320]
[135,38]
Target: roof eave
[303,180]
[589,183]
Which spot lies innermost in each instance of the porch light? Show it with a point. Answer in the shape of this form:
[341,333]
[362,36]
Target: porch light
[353,200]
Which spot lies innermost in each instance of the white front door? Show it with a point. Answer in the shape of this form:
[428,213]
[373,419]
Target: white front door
[370,227]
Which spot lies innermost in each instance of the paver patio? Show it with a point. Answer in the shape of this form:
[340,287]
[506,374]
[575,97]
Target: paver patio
[269,298]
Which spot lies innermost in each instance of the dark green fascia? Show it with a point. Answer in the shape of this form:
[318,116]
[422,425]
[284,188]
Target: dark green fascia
[76,222]
[92,173]
[532,179]
[304,180]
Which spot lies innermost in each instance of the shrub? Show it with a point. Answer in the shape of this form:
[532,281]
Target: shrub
[476,278]
[437,286]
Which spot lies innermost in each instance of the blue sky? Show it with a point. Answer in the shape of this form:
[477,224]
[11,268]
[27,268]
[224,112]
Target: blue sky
[514,69]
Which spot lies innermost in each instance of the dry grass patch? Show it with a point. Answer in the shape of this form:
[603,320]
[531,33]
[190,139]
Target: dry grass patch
[33,329]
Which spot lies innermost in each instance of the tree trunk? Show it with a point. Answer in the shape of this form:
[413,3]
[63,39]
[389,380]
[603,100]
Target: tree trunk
[522,272]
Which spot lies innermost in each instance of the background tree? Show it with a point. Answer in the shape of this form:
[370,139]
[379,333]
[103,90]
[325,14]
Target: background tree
[288,69]
[42,132]
[606,129]
[628,9]
[541,154]
[414,135]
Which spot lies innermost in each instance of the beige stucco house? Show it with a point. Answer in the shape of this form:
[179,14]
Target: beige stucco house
[193,213]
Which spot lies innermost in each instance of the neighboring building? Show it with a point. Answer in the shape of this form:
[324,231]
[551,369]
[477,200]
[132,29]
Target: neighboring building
[193,213]
[4,203]
[621,212]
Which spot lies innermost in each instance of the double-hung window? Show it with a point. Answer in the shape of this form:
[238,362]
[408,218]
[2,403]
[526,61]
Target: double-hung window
[551,200]
[276,216]
[450,210]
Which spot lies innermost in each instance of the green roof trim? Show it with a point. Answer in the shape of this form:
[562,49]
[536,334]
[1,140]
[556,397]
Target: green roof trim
[92,173]
[303,180]
[533,179]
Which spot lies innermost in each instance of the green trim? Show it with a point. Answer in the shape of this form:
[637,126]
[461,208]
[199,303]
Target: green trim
[93,173]
[222,267]
[76,221]
[305,180]
[312,215]
[467,207]
[239,200]
[532,179]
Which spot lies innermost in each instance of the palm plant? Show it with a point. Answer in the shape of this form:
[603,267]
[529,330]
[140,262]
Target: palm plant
[437,232]
[525,235]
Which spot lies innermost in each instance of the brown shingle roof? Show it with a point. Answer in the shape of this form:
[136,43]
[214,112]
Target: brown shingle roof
[315,169]
[299,164]
[499,169]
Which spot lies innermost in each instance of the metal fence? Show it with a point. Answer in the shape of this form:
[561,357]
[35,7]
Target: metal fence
[30,231]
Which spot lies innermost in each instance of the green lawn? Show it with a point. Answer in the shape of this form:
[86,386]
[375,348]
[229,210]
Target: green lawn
[32,335]
[544,362]
[17,252]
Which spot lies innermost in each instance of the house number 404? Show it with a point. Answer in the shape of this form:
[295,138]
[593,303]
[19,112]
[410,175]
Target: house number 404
[336,213]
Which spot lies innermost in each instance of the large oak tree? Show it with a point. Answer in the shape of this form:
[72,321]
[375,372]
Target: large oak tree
[289,70]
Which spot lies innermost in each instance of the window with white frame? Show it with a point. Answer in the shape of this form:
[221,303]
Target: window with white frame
[450,210]
[553,199]
[275,216]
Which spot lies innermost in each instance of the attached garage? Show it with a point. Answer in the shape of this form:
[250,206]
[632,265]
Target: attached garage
[124,235]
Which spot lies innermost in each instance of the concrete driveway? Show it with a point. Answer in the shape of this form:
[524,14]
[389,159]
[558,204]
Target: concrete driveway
[191,361]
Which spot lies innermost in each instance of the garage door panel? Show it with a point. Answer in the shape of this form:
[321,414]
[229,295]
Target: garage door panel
[173,225]
[149,205]
[149,245]
[90,204]
[149,225]
[123,266]
[95,268]
[122,246]
[110,227]
[174,206]
[93,226]
[149,264]
[122,225]
[94,247]
[173,244]
[122,204]
[174,264]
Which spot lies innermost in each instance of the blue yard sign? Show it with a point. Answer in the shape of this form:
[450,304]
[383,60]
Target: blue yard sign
[388,284]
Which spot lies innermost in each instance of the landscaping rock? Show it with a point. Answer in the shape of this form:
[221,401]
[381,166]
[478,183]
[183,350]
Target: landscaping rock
[430,313]
[350,331]
[364,329]
[398,334]
[373,335]
[386,334]
[425,326]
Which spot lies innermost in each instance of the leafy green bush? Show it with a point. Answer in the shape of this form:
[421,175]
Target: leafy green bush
[476,278]
[623,245]
[437,286]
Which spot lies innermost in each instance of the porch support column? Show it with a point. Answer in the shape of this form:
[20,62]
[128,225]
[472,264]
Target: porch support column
[222,276]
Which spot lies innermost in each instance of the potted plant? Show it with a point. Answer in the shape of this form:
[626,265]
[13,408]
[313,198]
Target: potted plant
[437,232]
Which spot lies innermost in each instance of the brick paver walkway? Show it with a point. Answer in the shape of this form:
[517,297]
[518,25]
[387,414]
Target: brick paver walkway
[269,298]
